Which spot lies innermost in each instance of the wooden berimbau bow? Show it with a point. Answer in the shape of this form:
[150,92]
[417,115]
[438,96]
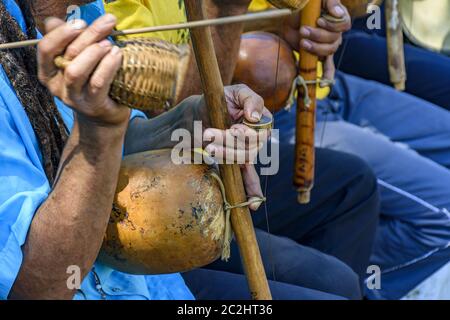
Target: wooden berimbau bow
[218,113]
[306,110]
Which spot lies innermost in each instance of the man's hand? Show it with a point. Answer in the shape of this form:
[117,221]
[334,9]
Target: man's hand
[240,141]
[324,40]
[84,84]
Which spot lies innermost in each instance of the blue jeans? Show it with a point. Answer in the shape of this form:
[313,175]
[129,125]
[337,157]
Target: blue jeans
[301,253]
[406,141]
[295,272]
[364,54]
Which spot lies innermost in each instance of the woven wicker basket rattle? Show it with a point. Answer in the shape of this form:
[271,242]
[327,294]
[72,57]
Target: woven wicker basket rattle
[152,74]
[289,4]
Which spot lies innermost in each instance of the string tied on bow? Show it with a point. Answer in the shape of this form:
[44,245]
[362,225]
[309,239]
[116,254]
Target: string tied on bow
[300,81]
[227,207]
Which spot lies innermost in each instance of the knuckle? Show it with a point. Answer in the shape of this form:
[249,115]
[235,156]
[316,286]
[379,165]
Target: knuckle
[53,91]
[97,83]
[327,25]
[258,99]
[72,51]
[95,30]
[334,36]
[241,87]
[316,33]
[71,75]
[44,48]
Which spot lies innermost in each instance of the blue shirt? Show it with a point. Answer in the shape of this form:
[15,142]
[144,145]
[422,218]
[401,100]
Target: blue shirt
[24,187]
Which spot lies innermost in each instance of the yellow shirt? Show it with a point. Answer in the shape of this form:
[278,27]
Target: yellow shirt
[259,5]
[146,13]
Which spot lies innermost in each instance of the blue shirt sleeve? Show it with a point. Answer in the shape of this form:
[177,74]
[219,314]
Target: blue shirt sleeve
[23,183]
[23,188]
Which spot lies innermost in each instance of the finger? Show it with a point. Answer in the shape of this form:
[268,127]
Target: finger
[343,26]
[251,103]
[252,138]
[232,138]
[99,30]
[52,23]
[103,76]
[79,70]
[230,155]
[252,185]
[335,8]
[329,69]
[320,49]
[239,136]
[319,35]
[54,44]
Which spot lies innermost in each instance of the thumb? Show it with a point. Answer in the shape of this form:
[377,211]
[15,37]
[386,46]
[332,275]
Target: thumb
[250,102]
[252,185]
[329,69]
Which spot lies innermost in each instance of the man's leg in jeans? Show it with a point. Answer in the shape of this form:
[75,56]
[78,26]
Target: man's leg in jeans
[220,285]
[343,214]
[288,262]
[403,118]
[414,234]
[365,55]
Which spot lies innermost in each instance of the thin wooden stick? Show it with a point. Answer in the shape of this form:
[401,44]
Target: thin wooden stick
[272,14]
[306,112]
[231,174]
[395,45]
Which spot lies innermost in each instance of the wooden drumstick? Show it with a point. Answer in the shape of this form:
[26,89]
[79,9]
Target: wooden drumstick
[218,113]
[306,111]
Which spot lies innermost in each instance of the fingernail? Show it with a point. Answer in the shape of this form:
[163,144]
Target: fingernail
[255,205]
[305,31]
[321,23]
[211,150]
[105,43]
[256,116]
[207,135]
[77,24]
[109,18]
[115,50]
[339,11]
[306,44]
